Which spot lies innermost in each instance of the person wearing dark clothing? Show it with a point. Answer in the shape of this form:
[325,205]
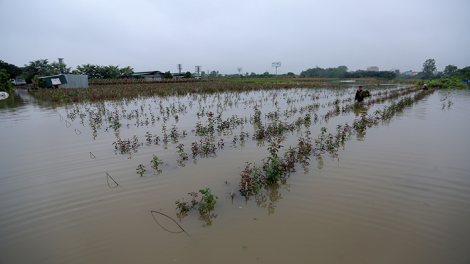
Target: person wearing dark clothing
[358,98]
[425,87]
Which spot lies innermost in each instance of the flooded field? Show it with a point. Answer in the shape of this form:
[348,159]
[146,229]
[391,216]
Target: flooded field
[384,182]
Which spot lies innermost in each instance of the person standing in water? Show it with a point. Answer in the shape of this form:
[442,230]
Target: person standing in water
[359,98]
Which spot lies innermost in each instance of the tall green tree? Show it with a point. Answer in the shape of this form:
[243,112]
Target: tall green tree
[110,72]
[39,67]
[167,75]
[88,69]
[450,69]
[11,69]
[58,68]
[214,74]
[429,68]
[104,72]
[127,72]
[42,67]
[5,84]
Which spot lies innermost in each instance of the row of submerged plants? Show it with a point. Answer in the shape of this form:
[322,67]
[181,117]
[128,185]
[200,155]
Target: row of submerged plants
[131,89]
[98,115]
[213,110]
[275,166]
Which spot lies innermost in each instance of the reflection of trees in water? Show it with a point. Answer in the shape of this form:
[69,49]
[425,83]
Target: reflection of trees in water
[306,170]
[271,195]
[13,101]
[361,110]
[320,162]
[334,155]
[206,219]
[360,135]
[181,162]
[181,214]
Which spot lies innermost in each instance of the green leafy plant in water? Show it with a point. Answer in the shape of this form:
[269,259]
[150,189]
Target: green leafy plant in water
[204,148]
[244,135]
[174,133]
[207,202]
[326,141]
[274,166]
[186,206]
[183,155]
[183,206]
[257,116]
[141,169]
[252,180]
[155,162]
[125,146]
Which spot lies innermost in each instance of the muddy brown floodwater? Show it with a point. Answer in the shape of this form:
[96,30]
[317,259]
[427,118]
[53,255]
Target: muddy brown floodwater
[397,193]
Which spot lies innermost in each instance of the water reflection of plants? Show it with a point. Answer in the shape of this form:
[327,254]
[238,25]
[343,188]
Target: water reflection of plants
[271,195]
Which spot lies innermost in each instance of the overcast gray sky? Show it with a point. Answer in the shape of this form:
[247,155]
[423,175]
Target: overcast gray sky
[224,35]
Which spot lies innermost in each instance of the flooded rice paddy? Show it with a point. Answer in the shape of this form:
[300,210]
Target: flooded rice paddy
[393,188]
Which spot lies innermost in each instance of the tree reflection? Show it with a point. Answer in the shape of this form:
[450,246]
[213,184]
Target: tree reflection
[181,214]
[320,162]
[361,110]
[206,218]
[271,195]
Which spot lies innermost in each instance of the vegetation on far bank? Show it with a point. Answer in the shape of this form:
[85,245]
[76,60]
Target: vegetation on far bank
[447,82]
[175,88]
[114,75]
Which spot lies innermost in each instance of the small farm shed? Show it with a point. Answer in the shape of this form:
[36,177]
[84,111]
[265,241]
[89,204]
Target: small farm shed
[66,81]
[150,75]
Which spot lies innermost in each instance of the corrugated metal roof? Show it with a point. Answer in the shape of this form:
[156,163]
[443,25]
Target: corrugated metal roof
[146,72]
[69,80]
[76,81]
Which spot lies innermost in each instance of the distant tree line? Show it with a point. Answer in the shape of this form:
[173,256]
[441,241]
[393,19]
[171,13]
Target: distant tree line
[318,72]
[429,71]
[42,67]
[450,71]
[12,70]
[342,72]
[104,72]
[216,74]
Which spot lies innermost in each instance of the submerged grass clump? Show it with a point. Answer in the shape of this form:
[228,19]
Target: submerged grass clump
[204,206]
[156,162]
[203,148]
[125,146]
[141,169]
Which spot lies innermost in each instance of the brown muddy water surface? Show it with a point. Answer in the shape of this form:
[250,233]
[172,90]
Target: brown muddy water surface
[398,193]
